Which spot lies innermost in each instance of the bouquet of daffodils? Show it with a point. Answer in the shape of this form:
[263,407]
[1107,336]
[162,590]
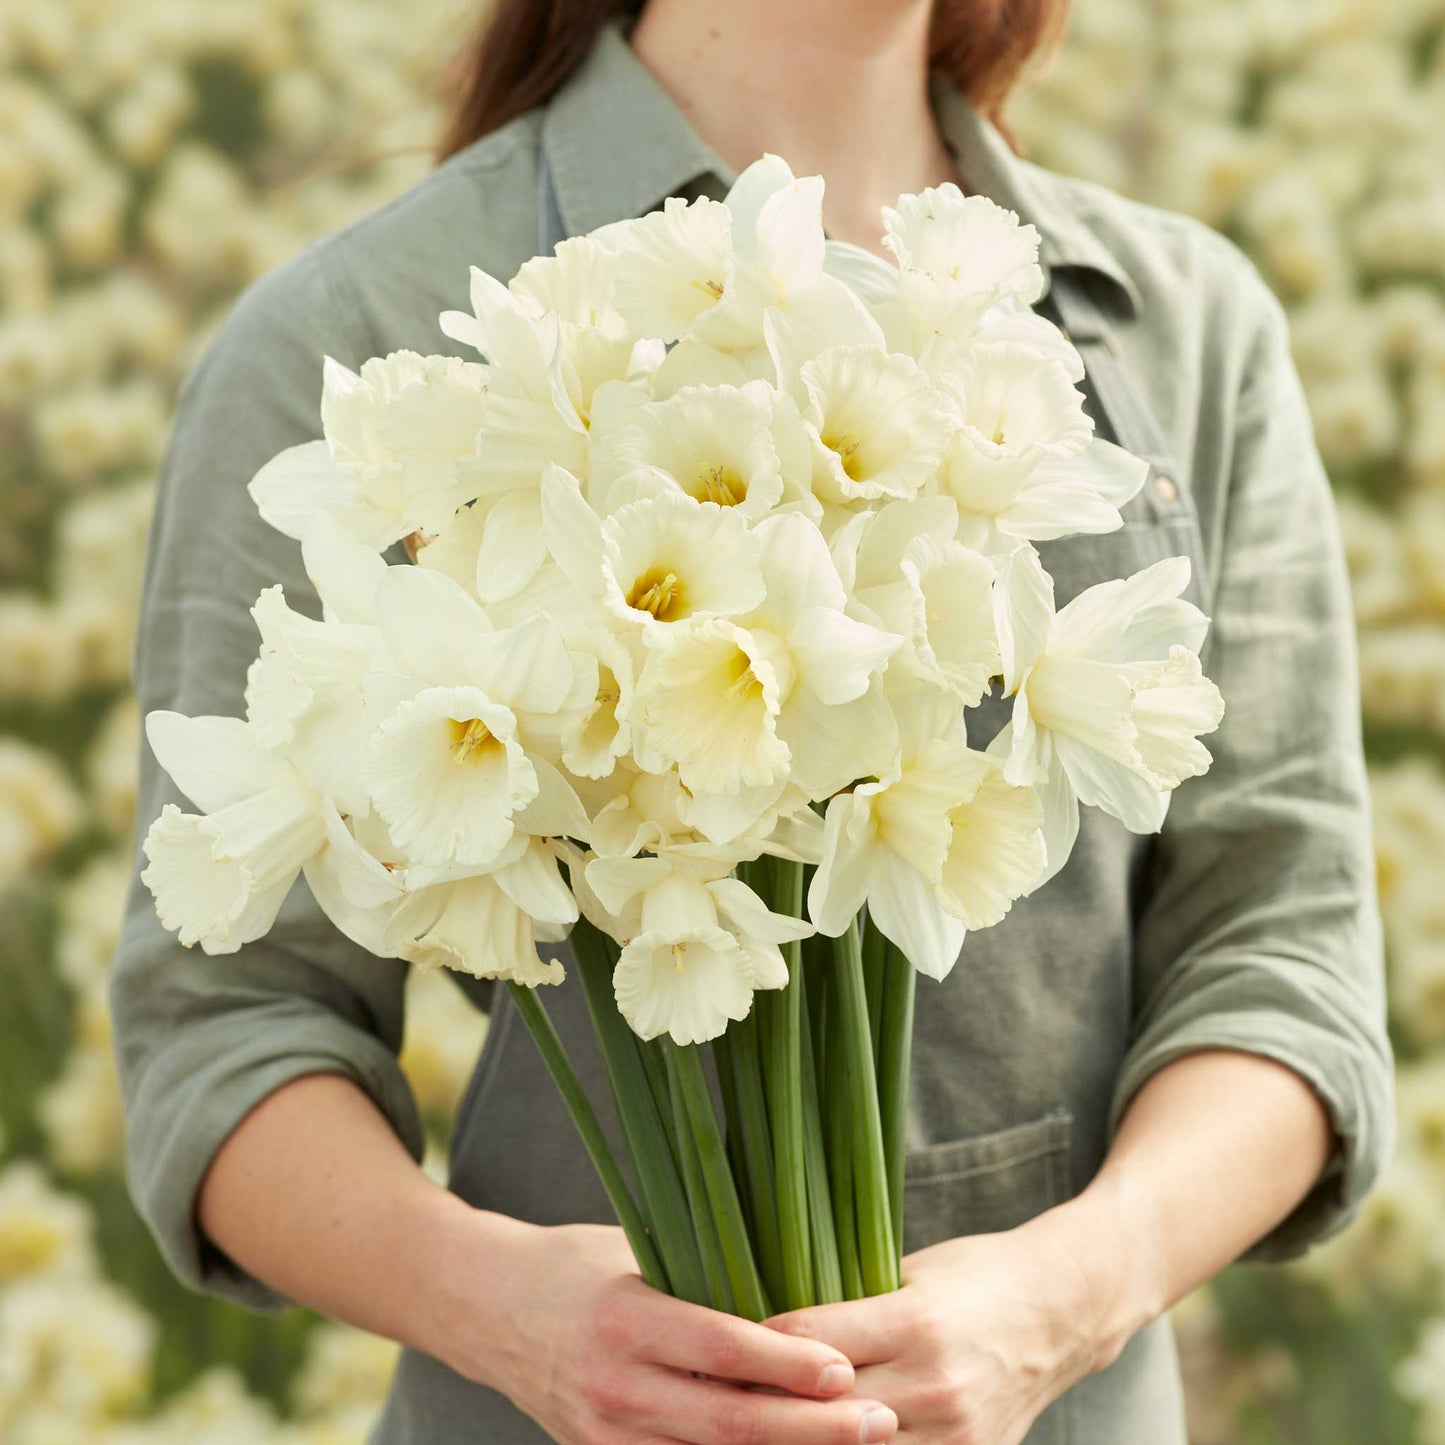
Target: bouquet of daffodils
[710,555]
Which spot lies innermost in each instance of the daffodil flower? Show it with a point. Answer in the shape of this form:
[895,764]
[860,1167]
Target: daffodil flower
[1109,696]
[305,695]
[959,256]
[905,570]
[713,443]
[533,414]
[400,438]
[219,876]
[695,950]
[487,925]
[455,763]
[878,426]
[940,843]
[1024,463]
[742,705]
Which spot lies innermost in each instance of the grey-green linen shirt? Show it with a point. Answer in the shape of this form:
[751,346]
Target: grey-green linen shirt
[1248,923]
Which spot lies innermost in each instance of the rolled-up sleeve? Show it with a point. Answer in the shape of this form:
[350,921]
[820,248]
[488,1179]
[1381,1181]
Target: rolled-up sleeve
[200,1041]
[1259,929]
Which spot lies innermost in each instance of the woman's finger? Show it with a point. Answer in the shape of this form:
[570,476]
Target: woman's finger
[688,1337]
[708,1412]
[865,1330]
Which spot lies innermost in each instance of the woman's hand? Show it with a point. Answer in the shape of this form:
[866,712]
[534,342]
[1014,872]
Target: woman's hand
[578,1341]
[986,1332]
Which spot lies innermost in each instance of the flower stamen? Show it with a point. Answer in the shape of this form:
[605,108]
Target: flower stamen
[659,593]
[718,484]
[470,737]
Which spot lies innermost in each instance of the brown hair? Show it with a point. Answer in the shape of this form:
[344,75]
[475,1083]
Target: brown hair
[526,49]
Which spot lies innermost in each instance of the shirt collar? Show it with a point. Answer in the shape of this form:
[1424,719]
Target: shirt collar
[618,144]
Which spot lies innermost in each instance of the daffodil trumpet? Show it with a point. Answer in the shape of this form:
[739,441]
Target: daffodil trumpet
[713,544]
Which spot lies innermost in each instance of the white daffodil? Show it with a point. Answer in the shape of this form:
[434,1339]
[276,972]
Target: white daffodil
[783,692]
[996,851]
[669,559]
[487,925]
[1015,411]
[305,693]
[578,285]
[655,562]
[494,549]
[1109,696]
[437,635]
[219,877]
[1024,463]
[959,256]
[879,427]
[454,765]
[634,811]
[708,701]
[906,571]
[886,842]
[695,949]
[673,265]
[344,570]
[400,442]
[532,415]
[939,844]
[447,772]
[602,732]
[713,443]
[969,240]
[708,271]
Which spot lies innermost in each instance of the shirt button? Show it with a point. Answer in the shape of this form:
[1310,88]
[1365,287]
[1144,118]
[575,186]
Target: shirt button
[1166,489]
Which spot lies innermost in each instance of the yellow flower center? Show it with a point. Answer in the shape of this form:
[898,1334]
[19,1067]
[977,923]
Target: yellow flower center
[746,683]
[659,592]
[719,484]
[471,737]
[711,288]
[847,447]
[679,951]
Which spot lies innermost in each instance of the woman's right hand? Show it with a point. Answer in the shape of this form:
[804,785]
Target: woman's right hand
[579,1342]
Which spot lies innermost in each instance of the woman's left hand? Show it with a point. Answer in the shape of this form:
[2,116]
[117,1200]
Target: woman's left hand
[987,1331]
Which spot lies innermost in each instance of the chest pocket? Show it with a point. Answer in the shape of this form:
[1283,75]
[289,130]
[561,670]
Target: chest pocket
[1161,521]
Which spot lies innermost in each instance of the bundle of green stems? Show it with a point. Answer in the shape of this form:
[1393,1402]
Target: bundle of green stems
[792,1193]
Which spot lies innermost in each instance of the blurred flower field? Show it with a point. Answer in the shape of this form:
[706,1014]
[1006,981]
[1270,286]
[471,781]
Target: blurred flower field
[156,155]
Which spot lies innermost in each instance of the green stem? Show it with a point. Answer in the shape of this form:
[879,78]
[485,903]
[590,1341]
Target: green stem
[827,1270]
[741,1043]
[554,1055]
[684,1065]
[732,1124]
[785,1104]
[649,1143]
[875,969]
[895,1064]
[650,1052]
[704,1224]
[876,1250]
[838,1130]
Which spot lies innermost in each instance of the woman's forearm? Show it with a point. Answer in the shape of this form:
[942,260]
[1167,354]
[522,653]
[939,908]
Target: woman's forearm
[1215,1150]
[314,1194]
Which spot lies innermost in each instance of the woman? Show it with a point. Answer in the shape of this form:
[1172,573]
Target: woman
[1171,1056]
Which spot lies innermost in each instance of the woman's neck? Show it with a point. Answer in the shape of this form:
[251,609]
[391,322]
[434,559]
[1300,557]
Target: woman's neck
[838,88]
